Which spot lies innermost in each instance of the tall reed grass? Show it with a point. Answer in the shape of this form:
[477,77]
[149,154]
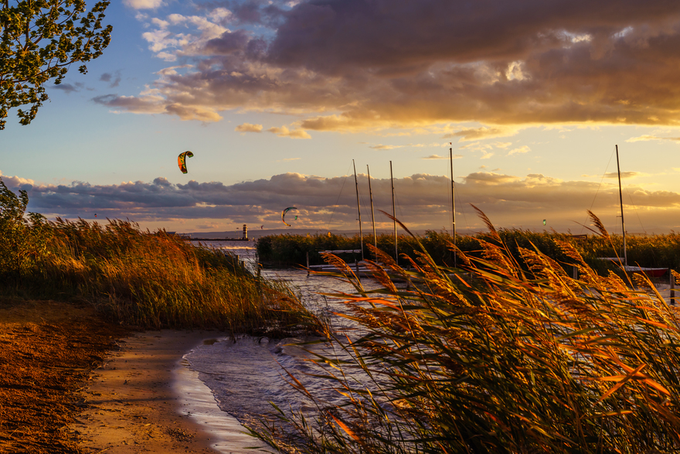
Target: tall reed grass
[151,280]
[498,356]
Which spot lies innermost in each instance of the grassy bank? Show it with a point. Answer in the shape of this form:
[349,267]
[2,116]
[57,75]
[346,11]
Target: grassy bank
[142,278]
[509,355]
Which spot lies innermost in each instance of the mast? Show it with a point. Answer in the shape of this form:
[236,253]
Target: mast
[361,235]
[394,220]
[453,204]
[370,192]
[623,224]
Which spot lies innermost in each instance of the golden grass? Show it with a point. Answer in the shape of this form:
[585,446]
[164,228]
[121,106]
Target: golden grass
[502,355]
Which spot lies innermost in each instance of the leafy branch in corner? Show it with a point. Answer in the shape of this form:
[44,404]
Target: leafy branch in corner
[39,40]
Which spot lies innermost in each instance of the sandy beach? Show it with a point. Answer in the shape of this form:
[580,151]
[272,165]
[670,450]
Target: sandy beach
[142,399]
[130,403]
[71,382]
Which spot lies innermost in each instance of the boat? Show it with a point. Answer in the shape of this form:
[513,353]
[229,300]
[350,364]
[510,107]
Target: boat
[649,271]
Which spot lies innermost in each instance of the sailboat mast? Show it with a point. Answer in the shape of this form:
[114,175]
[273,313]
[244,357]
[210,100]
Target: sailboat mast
[623,224]
[370,193]
[361,235]
[453,204]
[394,220]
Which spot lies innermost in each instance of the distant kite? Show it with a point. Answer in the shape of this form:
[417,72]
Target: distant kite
[283,215]
[544,221]
[182,160]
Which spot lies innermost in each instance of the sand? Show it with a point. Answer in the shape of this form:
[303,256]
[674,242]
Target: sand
[72,382]
[143,399]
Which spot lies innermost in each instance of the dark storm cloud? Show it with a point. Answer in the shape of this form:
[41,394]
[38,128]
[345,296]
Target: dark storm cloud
[423,201]
[337,36]
[417,62]
[228,43]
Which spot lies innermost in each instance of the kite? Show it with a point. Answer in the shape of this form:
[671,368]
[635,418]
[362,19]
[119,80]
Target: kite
[283,215]
[182,160]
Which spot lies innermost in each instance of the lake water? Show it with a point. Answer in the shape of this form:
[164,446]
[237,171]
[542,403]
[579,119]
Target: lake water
[247,375]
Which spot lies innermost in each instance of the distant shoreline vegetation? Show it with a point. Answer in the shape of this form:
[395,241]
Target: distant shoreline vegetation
[287,250]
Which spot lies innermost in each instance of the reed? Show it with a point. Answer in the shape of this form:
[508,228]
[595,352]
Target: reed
[150,280]
[648,251]
[502,355]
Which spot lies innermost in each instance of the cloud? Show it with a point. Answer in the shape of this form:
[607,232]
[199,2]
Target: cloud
[141,104]
[152,104]
[435,157]
[330,203]
[228,43]
[112,79]
[520,150]
[248,127]
[143,4]
[283,131]
[361,65]
[483,132]
[624,175]
[647,137]
[169,39]
[189,112]
[385,147]
[334,123]
[69,88]
[16,182]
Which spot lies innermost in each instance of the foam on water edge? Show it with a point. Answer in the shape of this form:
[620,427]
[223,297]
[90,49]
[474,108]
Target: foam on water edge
[198,403]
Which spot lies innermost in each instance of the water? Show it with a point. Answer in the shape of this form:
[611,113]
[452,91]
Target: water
[247,375]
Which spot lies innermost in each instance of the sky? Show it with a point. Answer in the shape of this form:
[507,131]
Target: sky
[278,100]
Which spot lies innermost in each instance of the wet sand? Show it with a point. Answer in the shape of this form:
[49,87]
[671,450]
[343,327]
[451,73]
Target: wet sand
[144,399]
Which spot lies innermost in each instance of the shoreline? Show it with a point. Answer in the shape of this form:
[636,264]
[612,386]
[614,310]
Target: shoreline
[144,398]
